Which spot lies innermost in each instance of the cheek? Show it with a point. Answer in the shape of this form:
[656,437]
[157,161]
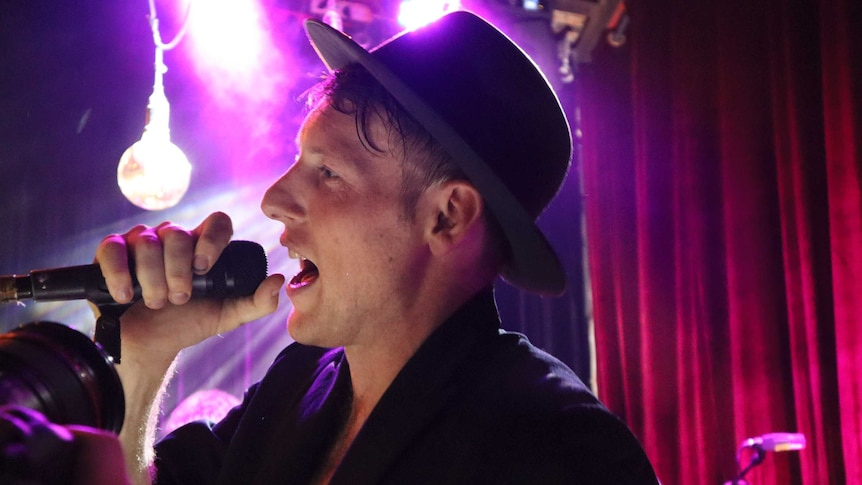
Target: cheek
[366,237]
[367,254]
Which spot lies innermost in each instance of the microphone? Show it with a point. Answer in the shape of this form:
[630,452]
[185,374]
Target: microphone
[238,272]
[776,442]
[760,445]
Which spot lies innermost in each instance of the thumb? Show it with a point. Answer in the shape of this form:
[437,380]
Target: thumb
[262,303]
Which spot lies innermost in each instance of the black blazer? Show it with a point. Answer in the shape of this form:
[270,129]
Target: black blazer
[474,405]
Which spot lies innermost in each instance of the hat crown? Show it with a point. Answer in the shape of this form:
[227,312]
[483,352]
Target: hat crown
[497,100]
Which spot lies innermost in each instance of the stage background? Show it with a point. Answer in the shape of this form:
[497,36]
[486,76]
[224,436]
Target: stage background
[721,190]
[722,156]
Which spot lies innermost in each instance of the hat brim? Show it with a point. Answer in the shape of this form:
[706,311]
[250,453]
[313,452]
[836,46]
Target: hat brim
[533,265]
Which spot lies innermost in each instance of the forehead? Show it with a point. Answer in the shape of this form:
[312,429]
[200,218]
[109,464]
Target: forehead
[327,128]
[331,137]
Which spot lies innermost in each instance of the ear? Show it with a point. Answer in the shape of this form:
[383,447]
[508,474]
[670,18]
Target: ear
[455,209]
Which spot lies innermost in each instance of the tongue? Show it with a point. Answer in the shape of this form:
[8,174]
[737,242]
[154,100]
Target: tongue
[306,275]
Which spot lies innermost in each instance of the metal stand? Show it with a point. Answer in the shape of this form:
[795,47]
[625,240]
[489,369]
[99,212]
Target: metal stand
[757,459]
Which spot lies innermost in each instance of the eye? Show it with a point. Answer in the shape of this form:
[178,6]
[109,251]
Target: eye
[326,172]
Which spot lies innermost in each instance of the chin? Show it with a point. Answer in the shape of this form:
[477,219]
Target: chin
[303,331]
[294,327]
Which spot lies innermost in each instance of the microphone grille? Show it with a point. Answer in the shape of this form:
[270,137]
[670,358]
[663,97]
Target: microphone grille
[240,269]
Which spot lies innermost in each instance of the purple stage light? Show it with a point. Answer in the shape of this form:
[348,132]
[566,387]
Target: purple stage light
[244,68]
[416,13]
[204,405]
[228,36]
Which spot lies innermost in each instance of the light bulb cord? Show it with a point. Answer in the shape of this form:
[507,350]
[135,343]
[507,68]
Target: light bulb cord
[158,109]
[154,25]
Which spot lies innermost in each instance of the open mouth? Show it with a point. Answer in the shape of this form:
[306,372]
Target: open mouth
[307,274]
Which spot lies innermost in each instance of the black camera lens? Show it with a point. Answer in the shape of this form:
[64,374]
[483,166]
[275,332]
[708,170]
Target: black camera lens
[58,371]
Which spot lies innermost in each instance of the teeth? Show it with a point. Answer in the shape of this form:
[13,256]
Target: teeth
[292,254]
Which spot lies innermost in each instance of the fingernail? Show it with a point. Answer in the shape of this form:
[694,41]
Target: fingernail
[155,304]
[124,295]
[179,297]
[201,262]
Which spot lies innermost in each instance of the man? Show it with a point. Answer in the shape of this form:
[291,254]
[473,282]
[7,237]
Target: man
[421,169]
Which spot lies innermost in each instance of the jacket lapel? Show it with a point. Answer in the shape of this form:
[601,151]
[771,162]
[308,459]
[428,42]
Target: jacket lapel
[417,395]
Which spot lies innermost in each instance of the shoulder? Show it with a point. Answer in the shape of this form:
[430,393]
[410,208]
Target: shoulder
[581,444]
[541,424]
[513,370]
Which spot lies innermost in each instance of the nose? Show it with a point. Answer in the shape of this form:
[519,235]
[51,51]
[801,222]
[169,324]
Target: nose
[281,202]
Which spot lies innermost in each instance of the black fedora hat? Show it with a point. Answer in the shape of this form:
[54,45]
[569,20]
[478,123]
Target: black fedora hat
[485,101]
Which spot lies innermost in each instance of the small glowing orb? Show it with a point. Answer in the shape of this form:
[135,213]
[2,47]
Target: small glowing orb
[154,173]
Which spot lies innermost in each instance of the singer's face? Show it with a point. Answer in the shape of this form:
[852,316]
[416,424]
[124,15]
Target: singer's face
[342,209]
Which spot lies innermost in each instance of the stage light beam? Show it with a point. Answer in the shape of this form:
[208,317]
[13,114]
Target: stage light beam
[413,14]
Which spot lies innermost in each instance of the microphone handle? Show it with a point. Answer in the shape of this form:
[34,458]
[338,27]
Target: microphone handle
[238,272]
[83,282]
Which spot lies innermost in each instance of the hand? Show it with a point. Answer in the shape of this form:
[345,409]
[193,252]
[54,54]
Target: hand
[34,450]
[165,258]
[99,457]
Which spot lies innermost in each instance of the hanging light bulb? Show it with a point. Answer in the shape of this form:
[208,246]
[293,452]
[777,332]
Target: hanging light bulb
[154,173]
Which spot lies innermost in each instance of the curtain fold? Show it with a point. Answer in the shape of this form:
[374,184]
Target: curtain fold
[721,156]
[841,44]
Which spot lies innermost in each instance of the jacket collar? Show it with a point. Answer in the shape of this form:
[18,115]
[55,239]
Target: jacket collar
[418,392]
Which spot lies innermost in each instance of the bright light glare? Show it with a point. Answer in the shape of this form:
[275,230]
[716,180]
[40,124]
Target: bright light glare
[227,33]
[416,13]
[235,52]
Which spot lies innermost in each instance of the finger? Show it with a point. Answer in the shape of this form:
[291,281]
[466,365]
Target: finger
[262,303]
[150,268]
[213,235]
[178,246]
[112,255]
[99,457]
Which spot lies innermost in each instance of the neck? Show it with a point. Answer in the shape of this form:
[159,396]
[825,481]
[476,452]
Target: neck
[377,360]
[373,368]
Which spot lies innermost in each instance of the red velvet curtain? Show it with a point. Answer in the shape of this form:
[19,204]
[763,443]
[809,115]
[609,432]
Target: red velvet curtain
[722,153]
